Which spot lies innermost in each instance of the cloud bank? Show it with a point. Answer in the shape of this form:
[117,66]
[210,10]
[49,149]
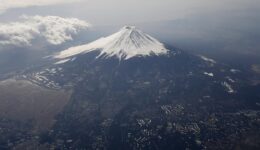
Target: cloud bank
[53,29]
[8,4]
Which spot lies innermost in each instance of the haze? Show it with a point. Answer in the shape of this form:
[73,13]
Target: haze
[223,28]
[113,12]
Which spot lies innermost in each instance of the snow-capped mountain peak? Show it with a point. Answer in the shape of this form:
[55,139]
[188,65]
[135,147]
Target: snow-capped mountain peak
[124,44]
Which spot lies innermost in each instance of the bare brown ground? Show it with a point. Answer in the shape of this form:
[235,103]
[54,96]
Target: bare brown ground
[256,68]
[22,101]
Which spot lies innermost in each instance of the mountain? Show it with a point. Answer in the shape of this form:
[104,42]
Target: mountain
[132,92]
[127,43]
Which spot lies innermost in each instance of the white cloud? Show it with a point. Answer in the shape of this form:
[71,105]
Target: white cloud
[53,29]
[8,4]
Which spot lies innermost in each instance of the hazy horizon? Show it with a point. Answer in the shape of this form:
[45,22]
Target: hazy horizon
[217,27]
[114,12]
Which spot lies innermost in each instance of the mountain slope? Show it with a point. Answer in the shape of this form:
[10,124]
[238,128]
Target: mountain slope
[125,44]
[165,99]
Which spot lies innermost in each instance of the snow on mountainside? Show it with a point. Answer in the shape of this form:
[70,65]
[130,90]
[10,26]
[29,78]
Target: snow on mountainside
[127,43]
